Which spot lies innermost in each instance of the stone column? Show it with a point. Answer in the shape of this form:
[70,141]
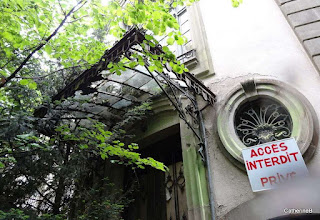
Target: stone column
[195,175]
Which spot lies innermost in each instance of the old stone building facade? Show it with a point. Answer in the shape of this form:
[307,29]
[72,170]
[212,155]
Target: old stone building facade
[263,56]
[255,79]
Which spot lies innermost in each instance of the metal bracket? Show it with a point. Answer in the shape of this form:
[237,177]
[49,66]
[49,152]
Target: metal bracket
[200,151]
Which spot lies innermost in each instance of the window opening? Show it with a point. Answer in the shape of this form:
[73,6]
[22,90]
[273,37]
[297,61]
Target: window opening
[262,120]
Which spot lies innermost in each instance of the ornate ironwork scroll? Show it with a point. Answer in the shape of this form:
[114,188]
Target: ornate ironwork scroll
[175,185]
[175,181]
[262,121]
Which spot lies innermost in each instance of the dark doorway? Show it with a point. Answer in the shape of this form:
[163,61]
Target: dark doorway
[159,195]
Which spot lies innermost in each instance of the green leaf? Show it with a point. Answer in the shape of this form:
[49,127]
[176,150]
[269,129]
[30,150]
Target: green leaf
[141,63]
[24,136]
[156,30]
[103,156]
[32,85]
[48,49]
[83,146]
[180,41]
[165,49]
[177,68]
[176,25]
[29,83]
[4,73]
[170,41]
[24,82]
[35,145]
[110,65]
[119,12]
[170,24]
[148,37]
[151,44]
[152,68]
[133,64]
[118,72]
[149,26]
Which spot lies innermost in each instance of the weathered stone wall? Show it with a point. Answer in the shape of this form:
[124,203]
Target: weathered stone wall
[234,45]
[254,41]
[304,18]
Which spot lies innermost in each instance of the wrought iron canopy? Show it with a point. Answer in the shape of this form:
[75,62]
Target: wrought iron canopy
[133,37]
[108,94]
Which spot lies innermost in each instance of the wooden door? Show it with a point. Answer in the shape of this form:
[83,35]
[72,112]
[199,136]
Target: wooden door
[176,202]
[161,196]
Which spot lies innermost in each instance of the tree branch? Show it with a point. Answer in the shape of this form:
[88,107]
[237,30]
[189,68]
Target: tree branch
[13,75]
[49,74]
[77,19]
[43,196]
[63,11]
[80,5]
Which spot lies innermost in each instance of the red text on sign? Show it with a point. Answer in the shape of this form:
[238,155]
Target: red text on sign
[279,178]
[272,161]
[274,148]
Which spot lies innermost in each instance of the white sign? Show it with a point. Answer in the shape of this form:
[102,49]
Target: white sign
[273,163]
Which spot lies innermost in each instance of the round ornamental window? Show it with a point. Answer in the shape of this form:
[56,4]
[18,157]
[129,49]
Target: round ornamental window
[264,110]
[262,120]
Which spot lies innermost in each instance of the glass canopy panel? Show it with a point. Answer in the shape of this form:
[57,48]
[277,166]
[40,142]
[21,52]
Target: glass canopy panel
[79,95]
[138,80]
[76,114]
[111,87]
[107,114]
[122,90]
[132,91]
[130,97]
[122,104]
[107,98]
[96,109]
[142,69]
[125,75]
[152,87]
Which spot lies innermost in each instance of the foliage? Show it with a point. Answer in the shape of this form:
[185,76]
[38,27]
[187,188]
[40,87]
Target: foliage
[16,214]
[56,167]
[236,3]
[104,207]
[74,35]
[98,140]
[68,163]
[53,167]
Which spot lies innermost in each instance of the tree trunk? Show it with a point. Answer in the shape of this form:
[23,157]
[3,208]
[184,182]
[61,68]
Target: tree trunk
[61,185]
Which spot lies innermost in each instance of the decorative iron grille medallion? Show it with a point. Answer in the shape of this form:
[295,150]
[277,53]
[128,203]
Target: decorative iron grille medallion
[262,120]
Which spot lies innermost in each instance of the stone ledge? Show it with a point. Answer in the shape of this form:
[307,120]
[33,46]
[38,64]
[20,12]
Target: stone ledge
[317,61]
[308,31]
[298,5]
[304,17]
[281,2]
[313,46]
